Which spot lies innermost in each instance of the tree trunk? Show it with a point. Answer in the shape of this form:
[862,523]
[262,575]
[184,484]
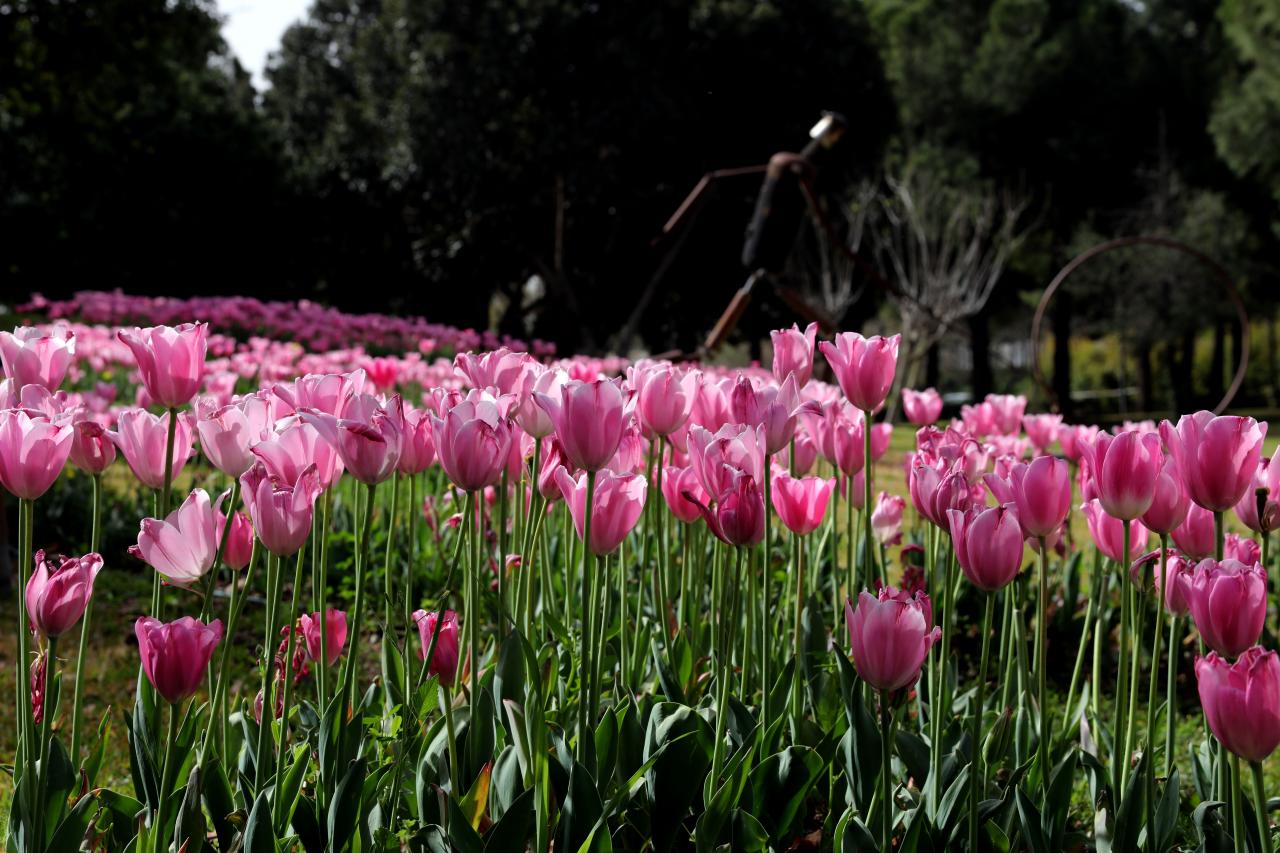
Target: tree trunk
[981,378]
[1062,311]
[931,366]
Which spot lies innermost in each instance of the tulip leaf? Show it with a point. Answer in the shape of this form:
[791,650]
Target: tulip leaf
[1029,822]
[512,831]
[578,816]
[1133,808]
[1213,836]
[189,832]
[1057,802]
[93,762]
[473,804]
[344,807]
[259,834]
[290,786]
[73,826]
[1166,817]
[856,838]
[675,777]
[778,786]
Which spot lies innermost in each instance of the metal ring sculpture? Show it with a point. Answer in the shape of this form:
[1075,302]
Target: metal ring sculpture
[1224,281]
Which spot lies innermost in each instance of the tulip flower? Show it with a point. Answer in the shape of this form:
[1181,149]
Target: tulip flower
[57,595]
[238,548]
[615,507]
[886,519]
[552,460]
[33,452]
[589,418]
[31,355]
[1236,547]
[229,434]
[367,436]
[1006,412]
[801,502]
[175,655]
[676,484]
[737,517]
[531,417]
[1107,532]
[988,544]
[773,409]
[335,634]
[864,367]
[734,447]
[1228,603]
[979,420]
[296,447]
[91,447]
[1075,441]
[837,433]
[1125,469]
[1241,701]
[922,408]
[664,397]
[417,445]
[1169,501]
[890,635]
[328,393]
[1042,430]
[183,545]
[1259,507]
[142,437]
[1041,490]
[500,371]
[170,360]
[793,353]
[1216,455]
[804,454]
[444,659]
[1177,567]
[472,441]
[281,512]
[1195,536]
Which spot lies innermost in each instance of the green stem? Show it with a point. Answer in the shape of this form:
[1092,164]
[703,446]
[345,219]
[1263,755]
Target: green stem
[46,729]
[168,462]
[1260,807]
[1237,807]
[1170,704]
[361,560]
[976,777]
[288,669]
[387,592]
[1042,666]
[1078,668]
[76,695]
[161,841]
[867,505]
[586,709]
[886,771]
[26,721]
[1120,753]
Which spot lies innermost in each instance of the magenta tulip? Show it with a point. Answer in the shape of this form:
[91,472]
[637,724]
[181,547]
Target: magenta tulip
[793,353]
[589,419]
[33,452]
[1217,456]
[775,410]
[737,516]
[328,393]
[473,440]
[417,445]
[142,437]
[57,595]
[886,519]
[229,434]
[170,360]
[31,355]
[801,502]
[615,507]
[890,635]
[922,408]
[1042,430]
[175,655]
[182,546]
[1125,468]
[1259,507]
[531,417]
[1241,701]
[988,544]
[444,658]
[295,448]
[281,512]
[367,436]
[1169,501]
[664,397]
[500,371]
[1179,570]
[1241,549]
[1075,441]
[335,634]
[91,447]
[1006,412]
[1228,603]
[734,447]
[1041,490]
[238,548]
[1195,535]
[864,367]
[676,483]
[1107,532]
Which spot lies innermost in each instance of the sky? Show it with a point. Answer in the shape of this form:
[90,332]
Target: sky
[253,29]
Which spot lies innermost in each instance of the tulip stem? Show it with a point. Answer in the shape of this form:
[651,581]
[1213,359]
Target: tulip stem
[886,778]
[1237,806]
[939,705]
[288,663]
[1260,807]
[455,783]
[263,754]
[585,702]
[171,434]
[1042,666]
[50,711]
[160,839]
[387,592]
[1120,753]
[26,720]
[797,704]
[1080,652]
[1170,704]
[976,777]
[765,613]
[220,683]
[76,695]
[866,501]
[1153,675]
[361,561]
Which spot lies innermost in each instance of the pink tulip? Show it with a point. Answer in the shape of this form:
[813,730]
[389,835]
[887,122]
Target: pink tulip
[804,453]
[1007,412]
[552,459]
[444,658]
[335,634]
[710,405]
[417,446]
[182,546]
[664,397]
[1241,701]
[886,519]
[238,549]
[295,448]
[773,409]
[1169,501]
[890,636]
[91,447]
[1236,547]
[58,595]
[1075,441]
[1179,570]
[734,447]
[1217,456]
[281,512]
[472,440]
[33,452]
[980,419]
[142,437]
[864,367]
[175,655]
[32,355]
[615,507]
[367,436]
[1228,603]
[328,393]
[989,545]
[1125,468]
[1042,430]
[737,518]
[881,436]
[1107,533]
[229,434]
[793,353]
[1259,507]
[922,408]
[589,418]
[170,360]
[853,489]
[1041,490]
[1195,535]
[633,453]
[838,436]
[800,503]
[922,484]
[676,483]
[500,371]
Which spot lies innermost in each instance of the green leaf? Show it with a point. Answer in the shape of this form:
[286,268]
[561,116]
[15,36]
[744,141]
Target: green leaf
[778,786]
[1210,831]
[1029,822]
[512,831]
[71,831]
[747,834]
[93,762]
[189,831]
[286,794]
[217,796]
[579,813]
[344,807]
[1166,817]
[680,742]
[857,838]
[1133,808]
[1058,802]
[259,834]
